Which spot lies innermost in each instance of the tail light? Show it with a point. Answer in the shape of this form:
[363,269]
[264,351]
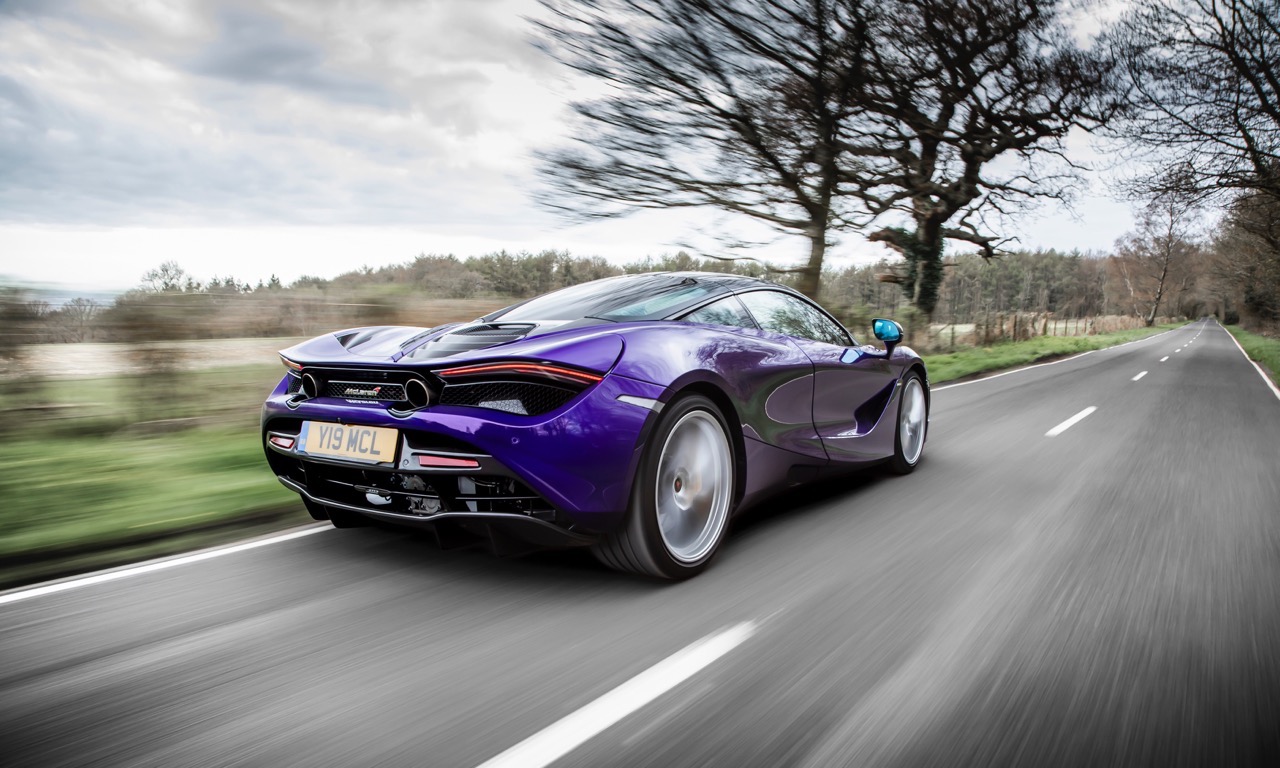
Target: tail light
[522,388]
[536,370]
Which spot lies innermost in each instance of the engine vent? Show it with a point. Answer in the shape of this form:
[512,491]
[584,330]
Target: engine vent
[471,337]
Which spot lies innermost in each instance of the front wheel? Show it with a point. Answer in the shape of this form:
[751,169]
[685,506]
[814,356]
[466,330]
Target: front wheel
[913,423]
[681,497]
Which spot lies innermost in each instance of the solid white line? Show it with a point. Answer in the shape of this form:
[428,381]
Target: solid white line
[1051,362]
[156,565]
[558,739]
[1015,370]
[1071,422]
[1274,390]
[1135,378]
[1166,357]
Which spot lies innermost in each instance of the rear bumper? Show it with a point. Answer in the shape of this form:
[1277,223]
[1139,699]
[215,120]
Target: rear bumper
[495,529]
[566,473]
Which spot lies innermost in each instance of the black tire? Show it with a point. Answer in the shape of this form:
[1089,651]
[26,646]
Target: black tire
[340,518]
[902,462]
[640,545]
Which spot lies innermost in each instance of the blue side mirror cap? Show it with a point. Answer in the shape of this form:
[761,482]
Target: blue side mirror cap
[886,330]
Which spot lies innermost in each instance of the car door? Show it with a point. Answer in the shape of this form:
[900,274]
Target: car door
[772,378]
[852,386]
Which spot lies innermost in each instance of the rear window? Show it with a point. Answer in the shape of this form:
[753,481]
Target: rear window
[631,297]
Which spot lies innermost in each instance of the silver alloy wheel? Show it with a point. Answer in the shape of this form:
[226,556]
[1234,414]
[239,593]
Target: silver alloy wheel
[694,486]
[912,415]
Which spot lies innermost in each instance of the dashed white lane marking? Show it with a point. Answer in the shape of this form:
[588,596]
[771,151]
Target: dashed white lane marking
[1071,422]
[558,739]
[1135,378]
[1166,357]
[1051,362]
[157,565]
[1179,349]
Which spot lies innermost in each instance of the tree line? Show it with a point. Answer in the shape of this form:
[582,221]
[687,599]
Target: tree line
[169,304]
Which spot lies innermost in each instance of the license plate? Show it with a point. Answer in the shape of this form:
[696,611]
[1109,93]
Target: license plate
[348,441]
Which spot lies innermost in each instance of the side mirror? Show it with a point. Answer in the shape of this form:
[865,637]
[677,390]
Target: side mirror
[887,331]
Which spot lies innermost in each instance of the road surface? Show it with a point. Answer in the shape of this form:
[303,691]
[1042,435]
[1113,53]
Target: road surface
[1085,570]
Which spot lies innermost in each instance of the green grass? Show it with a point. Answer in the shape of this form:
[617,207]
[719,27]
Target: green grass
[970,362]
[69,497]
[99,472]
[1264,349]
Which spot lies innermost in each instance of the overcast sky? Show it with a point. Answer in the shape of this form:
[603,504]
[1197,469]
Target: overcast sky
[293,138]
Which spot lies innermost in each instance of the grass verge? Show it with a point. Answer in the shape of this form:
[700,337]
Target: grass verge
[86,486]
[1263,349]
[74,503]
[968,363]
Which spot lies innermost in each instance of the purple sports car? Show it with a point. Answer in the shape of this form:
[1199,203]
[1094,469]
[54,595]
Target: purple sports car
[633,415]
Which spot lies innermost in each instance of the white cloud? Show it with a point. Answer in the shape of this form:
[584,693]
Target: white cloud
[292,136]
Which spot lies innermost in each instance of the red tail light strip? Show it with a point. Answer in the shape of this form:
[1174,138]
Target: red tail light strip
[536,369]
[447,461]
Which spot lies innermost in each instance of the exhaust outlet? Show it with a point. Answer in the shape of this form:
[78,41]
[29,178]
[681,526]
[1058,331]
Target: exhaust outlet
[417,393]
[310,387]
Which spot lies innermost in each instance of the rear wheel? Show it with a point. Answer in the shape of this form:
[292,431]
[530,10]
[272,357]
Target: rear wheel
[681,498]
[913,423]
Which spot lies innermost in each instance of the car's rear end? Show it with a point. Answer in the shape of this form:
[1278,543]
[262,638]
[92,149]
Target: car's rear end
[529,445]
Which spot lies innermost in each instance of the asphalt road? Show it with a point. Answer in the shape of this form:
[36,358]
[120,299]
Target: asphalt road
[1107,595]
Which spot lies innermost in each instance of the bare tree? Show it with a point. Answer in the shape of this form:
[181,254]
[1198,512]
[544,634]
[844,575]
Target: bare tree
[1246,263]
[1204,80]
[75,319]
[818,115]
[962,110]
[1158,255]
[166,278]
[729,104]
[1204,77]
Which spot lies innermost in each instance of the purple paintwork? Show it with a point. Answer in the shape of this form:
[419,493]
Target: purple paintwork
[799,409]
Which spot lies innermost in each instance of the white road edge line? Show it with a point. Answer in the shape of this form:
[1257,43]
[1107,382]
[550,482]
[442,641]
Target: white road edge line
[155,565]
[1051,362]
[563,736]
[1071,422]
[1274,390]
[1139,376]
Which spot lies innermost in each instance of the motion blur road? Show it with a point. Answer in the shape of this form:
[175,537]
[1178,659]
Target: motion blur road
[1108,594]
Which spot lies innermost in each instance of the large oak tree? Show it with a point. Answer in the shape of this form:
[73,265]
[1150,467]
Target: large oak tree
[816,116]
[963,108]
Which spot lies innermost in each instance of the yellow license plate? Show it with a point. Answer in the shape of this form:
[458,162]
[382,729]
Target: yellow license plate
[348,441]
